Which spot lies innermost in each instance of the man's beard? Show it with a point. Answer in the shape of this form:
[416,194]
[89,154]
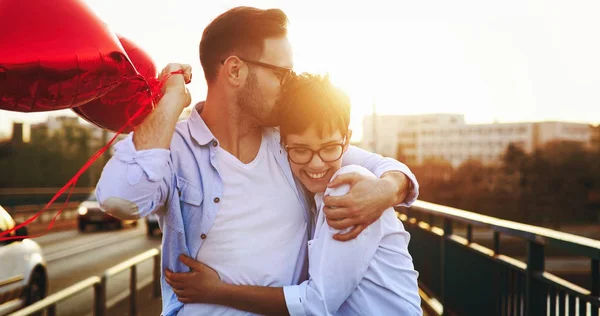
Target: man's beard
[250,101]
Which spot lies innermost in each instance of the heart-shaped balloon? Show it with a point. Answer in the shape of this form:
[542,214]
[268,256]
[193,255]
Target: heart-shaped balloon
[55,55]
[126,106]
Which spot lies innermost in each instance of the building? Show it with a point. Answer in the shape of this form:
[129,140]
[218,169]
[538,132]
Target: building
[7,147]
[596,137]
[58,124]
[417,138]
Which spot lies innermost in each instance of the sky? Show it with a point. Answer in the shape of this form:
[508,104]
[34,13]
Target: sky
[503,61]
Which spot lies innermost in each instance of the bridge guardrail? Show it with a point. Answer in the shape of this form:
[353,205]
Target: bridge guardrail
[100,285]
[470,279]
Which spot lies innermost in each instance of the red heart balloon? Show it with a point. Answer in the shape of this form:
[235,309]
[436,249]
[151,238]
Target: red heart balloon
[56,55]
[129,103]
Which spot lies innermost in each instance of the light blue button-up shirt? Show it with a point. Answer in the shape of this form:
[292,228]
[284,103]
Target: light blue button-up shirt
[180,186]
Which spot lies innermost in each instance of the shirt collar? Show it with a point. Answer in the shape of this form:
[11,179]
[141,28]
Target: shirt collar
[197,127]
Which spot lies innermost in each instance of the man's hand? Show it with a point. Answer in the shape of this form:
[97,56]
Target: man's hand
[366,201]
[195,286]
[177,76]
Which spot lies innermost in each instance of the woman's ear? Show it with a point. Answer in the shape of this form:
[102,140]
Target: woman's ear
[348,138]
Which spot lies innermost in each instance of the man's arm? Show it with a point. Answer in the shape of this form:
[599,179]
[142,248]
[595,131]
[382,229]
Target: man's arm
[156,131]
[368,198]
[136,180]
[134,183]
[400,181]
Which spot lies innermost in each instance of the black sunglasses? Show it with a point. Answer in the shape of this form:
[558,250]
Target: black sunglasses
[283,73]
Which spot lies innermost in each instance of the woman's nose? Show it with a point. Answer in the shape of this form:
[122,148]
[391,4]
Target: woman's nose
[316,162]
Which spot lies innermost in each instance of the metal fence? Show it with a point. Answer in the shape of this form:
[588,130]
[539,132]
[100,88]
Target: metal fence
[470,279]
[457,275]
[99,284]
[15,197]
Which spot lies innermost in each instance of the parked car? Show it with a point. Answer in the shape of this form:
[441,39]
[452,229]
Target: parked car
[90,213]
[23,273]
[152,224]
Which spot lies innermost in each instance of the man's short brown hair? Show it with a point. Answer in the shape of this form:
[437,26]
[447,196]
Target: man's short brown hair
[239,31]
[312,100]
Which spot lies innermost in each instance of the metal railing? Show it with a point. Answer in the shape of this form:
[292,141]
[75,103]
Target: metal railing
[470,279]
[100,287]
[15,197]
[23,212]
[457,275]
[131,264]
[49,303]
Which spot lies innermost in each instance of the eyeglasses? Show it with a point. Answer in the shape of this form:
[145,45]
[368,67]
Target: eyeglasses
[282,73]
[304,155]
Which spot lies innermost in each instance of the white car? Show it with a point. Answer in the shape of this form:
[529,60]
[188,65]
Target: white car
[23,274]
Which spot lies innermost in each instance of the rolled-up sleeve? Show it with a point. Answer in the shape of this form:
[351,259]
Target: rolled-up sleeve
[379,165]
[134,183]
[295,295]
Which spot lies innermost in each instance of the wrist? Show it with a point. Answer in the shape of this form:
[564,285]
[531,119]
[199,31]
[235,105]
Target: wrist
[389,190]
[220,293]
[395,183]
[173,101]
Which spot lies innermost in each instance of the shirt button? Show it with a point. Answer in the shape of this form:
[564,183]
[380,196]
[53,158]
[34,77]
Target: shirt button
[214,143]
[203,236]
[217,200]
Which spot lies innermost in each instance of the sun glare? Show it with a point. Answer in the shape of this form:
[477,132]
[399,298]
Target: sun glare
[351,66]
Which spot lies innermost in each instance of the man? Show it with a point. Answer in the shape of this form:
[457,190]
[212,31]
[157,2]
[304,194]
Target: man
[220,181]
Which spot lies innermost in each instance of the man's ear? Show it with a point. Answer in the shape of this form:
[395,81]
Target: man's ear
[234,71]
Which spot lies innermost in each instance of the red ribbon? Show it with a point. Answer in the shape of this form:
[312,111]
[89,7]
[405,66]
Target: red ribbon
[153,96]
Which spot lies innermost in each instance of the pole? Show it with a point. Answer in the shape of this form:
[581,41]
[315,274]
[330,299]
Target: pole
[374,123]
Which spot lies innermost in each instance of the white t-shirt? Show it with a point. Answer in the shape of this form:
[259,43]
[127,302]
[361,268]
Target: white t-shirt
[259,229]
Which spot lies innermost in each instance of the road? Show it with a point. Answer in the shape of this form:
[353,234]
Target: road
[73,256]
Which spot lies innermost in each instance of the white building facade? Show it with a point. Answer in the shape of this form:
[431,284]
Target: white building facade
[418,138]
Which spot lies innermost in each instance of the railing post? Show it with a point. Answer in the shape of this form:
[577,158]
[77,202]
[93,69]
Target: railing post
[100,297]
[469,233]
[133,291]
[446,288]
[496,243]
[52,310]
[595,283]
[535,294]
[156,277]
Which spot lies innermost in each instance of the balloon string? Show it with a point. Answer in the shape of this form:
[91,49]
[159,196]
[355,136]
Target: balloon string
[154,95]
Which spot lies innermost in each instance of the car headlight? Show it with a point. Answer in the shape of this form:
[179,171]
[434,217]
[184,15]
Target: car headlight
[82,210]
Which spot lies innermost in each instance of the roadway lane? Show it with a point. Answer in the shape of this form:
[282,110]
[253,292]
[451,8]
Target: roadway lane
[73,256]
